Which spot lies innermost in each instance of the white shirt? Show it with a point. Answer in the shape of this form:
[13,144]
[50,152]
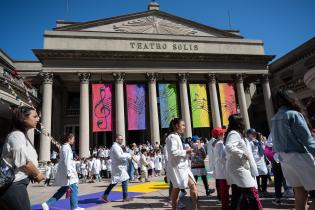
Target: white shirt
[119,163]
[210,154]
[66,167]
[178,170]
[17,151]
[239,171]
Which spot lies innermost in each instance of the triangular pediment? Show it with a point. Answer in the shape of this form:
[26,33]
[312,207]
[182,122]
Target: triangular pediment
[150,22]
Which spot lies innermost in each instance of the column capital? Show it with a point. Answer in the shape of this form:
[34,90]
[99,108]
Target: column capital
[182,76]
[84,77]
[239,78]
[119,76]
[151,76]
[264,77]
[212,77]
[47,77]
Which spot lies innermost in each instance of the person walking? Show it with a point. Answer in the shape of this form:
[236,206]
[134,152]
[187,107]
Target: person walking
[198,167]
[240,167]
[294,143]
[19,152]
[178,170]
[119,169]
[66,176]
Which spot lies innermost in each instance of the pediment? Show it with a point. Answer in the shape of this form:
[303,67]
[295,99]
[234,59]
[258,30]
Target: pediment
[150,22]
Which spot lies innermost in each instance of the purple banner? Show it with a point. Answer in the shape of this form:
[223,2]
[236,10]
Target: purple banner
[136,106]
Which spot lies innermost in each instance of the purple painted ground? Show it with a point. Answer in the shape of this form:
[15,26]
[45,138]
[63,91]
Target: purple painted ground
[86,201]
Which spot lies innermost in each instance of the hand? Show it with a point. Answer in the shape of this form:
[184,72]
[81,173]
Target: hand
[245,156]
[40,177]
[189,151]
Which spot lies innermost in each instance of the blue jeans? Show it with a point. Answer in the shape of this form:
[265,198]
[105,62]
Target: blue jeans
[124,186]
[61,191]
[131,170]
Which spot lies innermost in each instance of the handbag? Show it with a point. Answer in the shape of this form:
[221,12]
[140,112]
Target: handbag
[7,175]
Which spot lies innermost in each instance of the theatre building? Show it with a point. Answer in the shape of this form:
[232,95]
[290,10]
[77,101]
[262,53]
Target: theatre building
[132,74]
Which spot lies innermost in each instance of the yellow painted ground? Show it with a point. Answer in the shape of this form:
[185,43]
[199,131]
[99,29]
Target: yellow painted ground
[147,187]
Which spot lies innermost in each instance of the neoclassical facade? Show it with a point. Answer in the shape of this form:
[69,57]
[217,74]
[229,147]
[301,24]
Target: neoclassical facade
[151,48]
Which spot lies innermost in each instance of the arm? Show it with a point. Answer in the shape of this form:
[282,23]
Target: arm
[231,145]
[302,132]
[119,154]
[172,147]
[67,158]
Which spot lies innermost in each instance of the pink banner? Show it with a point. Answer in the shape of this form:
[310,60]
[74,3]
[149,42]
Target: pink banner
[102,107]
[136,106]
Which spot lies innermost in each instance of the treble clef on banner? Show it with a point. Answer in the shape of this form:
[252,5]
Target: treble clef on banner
[102,109]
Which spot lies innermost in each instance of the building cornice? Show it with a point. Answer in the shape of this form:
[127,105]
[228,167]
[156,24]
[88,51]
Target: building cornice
[45,55]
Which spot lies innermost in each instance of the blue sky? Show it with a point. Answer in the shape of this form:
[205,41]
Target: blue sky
[281,24]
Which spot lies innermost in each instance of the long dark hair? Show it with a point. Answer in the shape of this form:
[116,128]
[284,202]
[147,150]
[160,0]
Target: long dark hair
[172,128]
[66,137]
[289,99]
[19,114]
[236,122]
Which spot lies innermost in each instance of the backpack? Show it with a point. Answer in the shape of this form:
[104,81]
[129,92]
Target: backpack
[7,175]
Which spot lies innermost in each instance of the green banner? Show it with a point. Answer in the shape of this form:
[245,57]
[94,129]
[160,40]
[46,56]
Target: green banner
[199,105]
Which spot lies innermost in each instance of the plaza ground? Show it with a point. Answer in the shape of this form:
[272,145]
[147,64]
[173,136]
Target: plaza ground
[148,196]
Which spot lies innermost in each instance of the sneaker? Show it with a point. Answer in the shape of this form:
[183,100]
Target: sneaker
[79,208]
[180,205]
[277,202]
[288,194]
[210,191]
[104,199]
[45,206]
[128,199]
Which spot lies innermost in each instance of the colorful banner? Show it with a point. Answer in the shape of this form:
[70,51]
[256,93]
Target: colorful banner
[168,103]
[228,102]
[136,106]
[102,107]
[199,105]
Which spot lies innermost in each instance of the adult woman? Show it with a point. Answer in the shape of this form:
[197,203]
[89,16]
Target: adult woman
[178,170]
[66,176]
[198,167]
[20,153]
[241,169]
[295,145]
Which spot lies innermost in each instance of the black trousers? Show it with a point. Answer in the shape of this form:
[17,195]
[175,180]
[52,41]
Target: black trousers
[204,180]
[278,178]
[16,197]
[262,182]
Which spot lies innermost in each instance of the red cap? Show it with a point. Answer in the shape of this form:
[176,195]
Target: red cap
[216,132]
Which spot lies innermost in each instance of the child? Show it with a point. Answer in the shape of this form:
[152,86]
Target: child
[109,167]
[158,163]
[144,165]
[48,173]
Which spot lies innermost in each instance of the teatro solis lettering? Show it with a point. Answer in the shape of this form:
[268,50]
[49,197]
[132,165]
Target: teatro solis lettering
[163,46]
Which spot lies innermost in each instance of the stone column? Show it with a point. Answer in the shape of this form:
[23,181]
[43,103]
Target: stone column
[44,150]
[215,111]
[184,101]
[153,108]
[84,140]
[119,104]
[30,135]
[267,98]
[241,99]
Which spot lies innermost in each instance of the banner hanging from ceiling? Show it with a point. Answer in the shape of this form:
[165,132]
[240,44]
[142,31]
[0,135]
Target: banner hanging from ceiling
[168,103]
[199,105]
[136,106]
[102,107]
